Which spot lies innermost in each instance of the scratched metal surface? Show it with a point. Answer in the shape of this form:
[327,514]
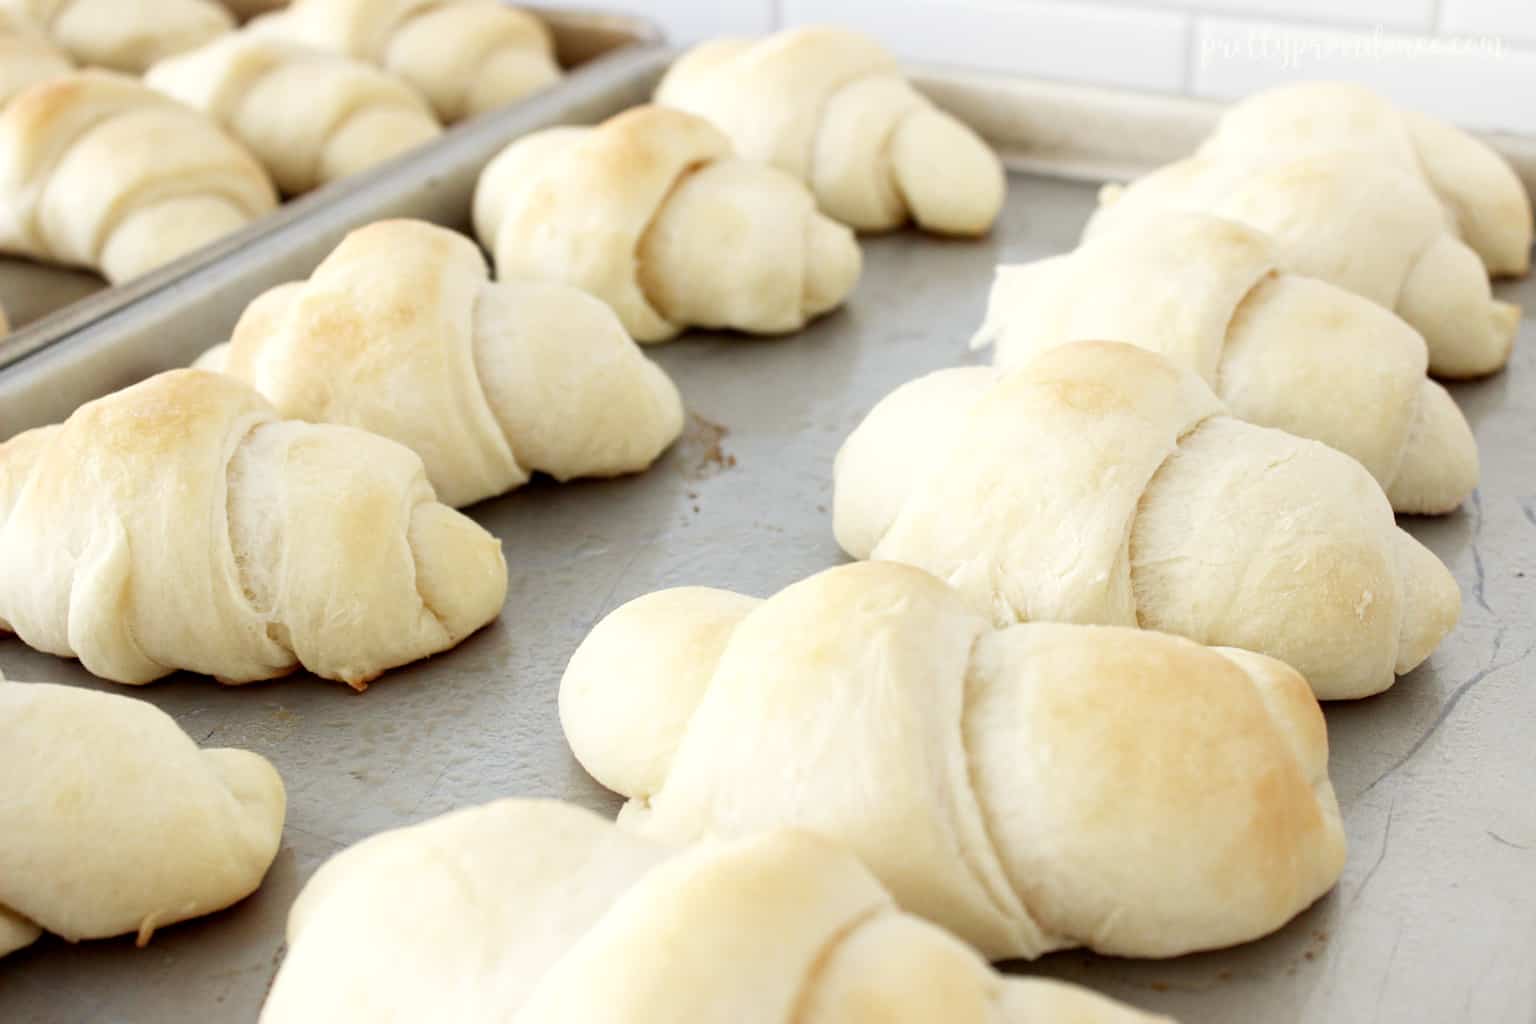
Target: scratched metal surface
[1434,920]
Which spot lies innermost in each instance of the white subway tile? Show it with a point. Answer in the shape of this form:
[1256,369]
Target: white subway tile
[1486,84]
[1516,18]
[1408,15]
[1127,46]
[688,21]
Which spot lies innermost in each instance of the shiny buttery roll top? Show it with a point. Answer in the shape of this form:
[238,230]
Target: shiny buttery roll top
[832,108]
[1104,484]
[309,117]
[400,331]
[1032,788]
[1280,350]
[100,171]
[652,213]
[180,524]
[1481,191]
[1366,225]
[465,56]
[535,911]
[113,822]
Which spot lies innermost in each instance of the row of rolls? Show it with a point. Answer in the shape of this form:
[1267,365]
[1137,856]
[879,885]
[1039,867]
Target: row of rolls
[132,134]
[1066,695]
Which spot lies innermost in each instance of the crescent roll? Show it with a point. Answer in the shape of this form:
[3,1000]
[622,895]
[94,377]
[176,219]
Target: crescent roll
[1280,350]
[113,822]
[543,913]
[652,213]
[99,171]
[309,117]
[1033,788]
[1104,484]
[833,108]
[1481,190]
[180,524]
[465,56]
[1364,225]
[401,332]
[125,35]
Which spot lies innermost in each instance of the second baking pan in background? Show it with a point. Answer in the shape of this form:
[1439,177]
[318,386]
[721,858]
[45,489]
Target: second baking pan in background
[45,302]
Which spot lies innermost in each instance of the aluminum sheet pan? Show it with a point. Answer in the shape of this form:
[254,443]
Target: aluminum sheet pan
[1433,921]
[46,303]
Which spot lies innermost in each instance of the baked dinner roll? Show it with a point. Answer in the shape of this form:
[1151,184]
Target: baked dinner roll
[543,913]
[1033,788]
[309,117]
[1481,190]
[1103,484]
[113,822]
[401,332]
[650,212]
[1280,350]
[465,56]
[831,107]
[125,35]
[180,524]
[1365,225]
[99,171]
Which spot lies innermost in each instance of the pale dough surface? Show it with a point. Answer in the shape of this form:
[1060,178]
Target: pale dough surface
[310,117]
[1031,788]
[124,35]
[113,822]
[401,332]
[831,107]
[533,911]
[1280,350]
[1102,483]
[1368,226]
[466,57]
[26,55]
[651,212]
[1481,191]
[181,524]
[97,170]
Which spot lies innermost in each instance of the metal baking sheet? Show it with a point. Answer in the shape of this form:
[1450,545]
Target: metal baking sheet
[49,302]
[1434,919]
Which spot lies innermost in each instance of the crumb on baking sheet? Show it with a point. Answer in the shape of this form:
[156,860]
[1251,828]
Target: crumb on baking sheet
[701,448]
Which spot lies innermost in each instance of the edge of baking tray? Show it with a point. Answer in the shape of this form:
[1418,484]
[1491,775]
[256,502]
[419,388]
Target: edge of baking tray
[585,42]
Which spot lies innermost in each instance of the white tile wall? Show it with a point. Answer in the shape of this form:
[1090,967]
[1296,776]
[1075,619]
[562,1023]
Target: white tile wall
[1410,15]
[1514,18]
[1084,42]
[1477,82]
[688,21]
[1470,60]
